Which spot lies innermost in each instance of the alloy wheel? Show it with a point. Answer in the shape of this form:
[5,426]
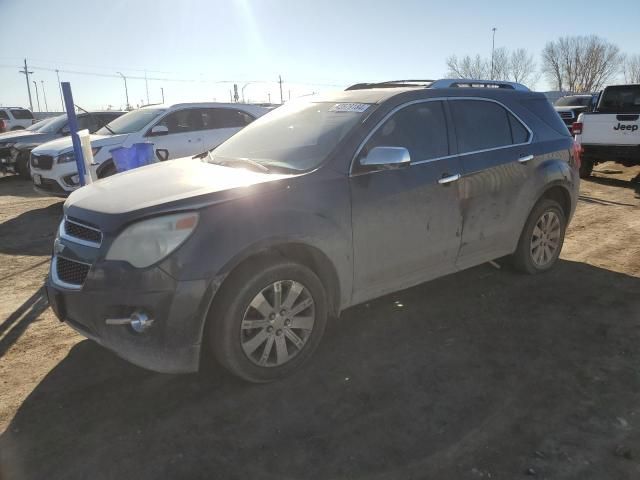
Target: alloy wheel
[545,240]
[277,323]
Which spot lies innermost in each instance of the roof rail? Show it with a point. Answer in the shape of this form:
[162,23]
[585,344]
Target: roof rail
[474,83]
[391,84]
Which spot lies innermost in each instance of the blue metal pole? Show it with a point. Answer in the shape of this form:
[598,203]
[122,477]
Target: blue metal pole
[73,128]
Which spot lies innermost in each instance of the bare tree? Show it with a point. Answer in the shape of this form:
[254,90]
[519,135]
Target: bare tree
[631,69]
[516,66]
[468,67]
[522,67]
[580,64]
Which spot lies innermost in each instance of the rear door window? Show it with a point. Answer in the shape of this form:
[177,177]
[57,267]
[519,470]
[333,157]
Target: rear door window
[420,128]
[21,114]
[224,118]
[480,125]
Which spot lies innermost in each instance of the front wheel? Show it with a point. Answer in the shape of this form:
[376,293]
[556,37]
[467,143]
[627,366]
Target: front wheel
[541,239]
[268,320]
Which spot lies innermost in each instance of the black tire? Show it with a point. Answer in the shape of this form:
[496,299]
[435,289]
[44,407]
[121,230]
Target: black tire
[22,166]
[107,171]
[523,258]
[228,312]
[586,167]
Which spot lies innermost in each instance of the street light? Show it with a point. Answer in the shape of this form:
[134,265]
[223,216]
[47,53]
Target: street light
[37,96]
[493,48]
[46,107]
[126,91]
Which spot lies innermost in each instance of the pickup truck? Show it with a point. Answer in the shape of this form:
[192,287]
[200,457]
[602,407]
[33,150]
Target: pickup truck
[612,131]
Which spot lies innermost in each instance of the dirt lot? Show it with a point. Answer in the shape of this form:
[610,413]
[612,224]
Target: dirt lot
[483,374]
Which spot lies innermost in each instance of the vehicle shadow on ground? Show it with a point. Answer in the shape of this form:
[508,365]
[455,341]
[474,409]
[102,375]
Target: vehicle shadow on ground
[633,184]
[15,324]
[482,372]
[18,186]
[32,232]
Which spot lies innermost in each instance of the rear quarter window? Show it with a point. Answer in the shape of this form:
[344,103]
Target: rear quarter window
[542,109]
[4,115]
[20,114]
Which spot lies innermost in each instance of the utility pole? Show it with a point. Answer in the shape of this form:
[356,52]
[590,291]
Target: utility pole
[280,82]
[35,84]
[60,87]
[126,91]
[269,97]
[162,91]
[493,48]
[26,73]
[146,86]
[44,95]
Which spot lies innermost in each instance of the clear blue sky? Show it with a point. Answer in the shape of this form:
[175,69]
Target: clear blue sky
[313,44]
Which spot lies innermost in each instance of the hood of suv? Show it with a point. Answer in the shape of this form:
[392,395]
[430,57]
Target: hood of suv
[62,145]
[167,182]
[25,136]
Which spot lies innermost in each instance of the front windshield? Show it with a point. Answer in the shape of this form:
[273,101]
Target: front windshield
[572,101]
[54,125]
[131,122]
[297,136]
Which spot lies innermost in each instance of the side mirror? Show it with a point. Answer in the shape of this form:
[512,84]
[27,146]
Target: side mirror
[65,130]
[386,158]
[158,131]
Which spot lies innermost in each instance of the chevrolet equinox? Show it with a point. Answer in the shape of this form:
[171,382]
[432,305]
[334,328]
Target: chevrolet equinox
[323,203]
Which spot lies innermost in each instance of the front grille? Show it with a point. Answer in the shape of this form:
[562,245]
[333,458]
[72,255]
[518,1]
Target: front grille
[43,162]
[71,272]
[566,115]
[81,231]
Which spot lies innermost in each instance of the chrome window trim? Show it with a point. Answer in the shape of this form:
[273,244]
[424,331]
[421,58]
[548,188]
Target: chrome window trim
[56,279]
[441,99]
[63,234]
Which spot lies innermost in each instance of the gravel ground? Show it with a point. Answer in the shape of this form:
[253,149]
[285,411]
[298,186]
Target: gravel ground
[482,374]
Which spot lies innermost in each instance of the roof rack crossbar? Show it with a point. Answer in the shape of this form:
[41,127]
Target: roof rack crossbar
[475,83]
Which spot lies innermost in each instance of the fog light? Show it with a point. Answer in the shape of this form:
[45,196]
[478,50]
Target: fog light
[139,321]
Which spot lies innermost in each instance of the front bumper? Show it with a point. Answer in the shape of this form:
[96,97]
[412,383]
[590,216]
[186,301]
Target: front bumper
[114,290]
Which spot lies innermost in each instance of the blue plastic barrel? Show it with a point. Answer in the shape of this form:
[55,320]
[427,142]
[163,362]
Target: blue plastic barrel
[128,158]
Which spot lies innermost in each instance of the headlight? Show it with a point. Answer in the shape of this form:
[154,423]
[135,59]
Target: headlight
[67,157]
[149,241]
[71,156]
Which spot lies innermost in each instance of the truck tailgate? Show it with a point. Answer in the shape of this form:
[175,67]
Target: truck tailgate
[610,129]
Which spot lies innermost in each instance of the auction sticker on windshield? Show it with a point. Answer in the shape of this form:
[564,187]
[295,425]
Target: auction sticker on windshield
[349,107]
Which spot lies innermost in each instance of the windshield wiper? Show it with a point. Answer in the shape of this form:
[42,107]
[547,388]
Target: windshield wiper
[97,121]
[247,161]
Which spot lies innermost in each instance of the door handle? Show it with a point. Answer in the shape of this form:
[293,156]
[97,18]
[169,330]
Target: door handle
[525,158]
[449,179]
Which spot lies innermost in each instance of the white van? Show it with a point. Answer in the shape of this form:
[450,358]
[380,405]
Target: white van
[177,130]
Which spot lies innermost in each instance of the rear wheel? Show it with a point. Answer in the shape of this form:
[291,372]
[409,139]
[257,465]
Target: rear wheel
[586,167]
[268,320]
[541,239]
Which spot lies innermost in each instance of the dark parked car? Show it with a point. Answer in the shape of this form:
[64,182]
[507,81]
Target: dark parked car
[570,107]
[15,147]
[321,204]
